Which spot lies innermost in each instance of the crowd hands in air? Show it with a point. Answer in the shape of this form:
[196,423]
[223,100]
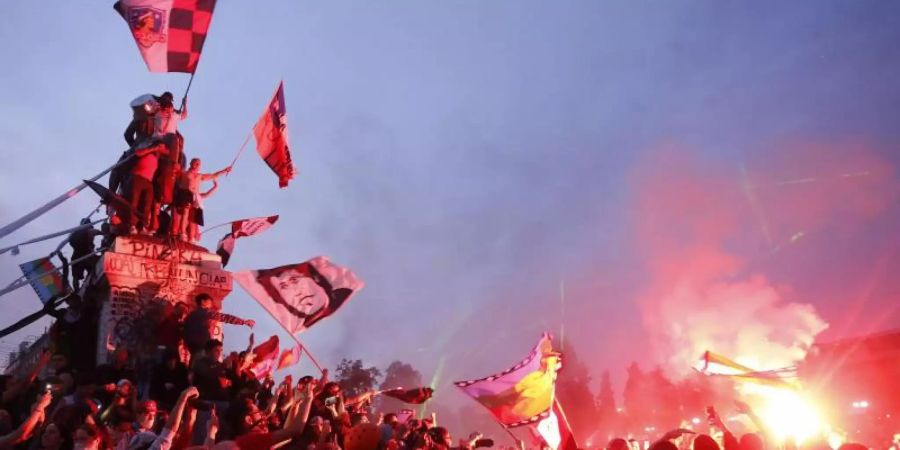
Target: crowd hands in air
[146,399]
[162,188]
[722,438]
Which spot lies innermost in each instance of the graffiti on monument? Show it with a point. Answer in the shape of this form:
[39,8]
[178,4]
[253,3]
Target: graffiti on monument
[132,316]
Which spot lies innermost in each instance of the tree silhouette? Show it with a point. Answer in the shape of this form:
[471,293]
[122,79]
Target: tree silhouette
[398,374]
[354,379]
[574,394]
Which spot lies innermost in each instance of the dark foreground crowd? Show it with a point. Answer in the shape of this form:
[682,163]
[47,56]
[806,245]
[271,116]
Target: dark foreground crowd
[213,400]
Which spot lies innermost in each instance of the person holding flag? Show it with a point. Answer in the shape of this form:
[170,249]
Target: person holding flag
[187,198]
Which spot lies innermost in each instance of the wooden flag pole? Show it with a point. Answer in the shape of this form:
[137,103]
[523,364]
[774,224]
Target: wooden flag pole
[241,150]
[510,433]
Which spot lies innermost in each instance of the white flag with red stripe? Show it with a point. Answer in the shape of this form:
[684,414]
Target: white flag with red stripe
[555,431]
[242,228]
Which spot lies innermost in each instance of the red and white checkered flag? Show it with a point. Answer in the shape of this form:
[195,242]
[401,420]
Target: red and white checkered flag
[169,33]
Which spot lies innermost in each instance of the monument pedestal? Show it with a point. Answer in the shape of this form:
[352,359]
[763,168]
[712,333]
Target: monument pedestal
[141,279]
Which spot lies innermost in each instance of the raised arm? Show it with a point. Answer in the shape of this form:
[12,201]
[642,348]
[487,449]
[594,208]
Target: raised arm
[24,431]
[165,438]
[293,425]
[213,176]
[745,409]
[231,320]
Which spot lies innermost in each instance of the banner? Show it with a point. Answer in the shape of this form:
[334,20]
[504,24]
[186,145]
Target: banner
[44,278]
[522,394]
[300,295]
[272,141]
[169,33]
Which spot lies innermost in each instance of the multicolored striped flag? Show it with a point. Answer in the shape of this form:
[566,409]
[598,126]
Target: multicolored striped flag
[522,394]
[44,278]
[271,135]
[169,33]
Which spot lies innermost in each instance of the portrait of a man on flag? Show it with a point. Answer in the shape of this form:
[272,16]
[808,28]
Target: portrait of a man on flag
[300,295]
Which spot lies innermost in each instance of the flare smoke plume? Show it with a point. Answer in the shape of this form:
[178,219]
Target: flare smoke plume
[705,231]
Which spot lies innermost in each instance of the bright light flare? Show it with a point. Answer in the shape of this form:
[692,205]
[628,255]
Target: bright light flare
[786,413]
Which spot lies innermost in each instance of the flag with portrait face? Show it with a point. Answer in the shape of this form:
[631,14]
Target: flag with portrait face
[300,295]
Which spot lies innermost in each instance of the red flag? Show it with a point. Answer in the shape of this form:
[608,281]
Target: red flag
[264,357]
[169,33]
[555,431]
[289,357]
[271,135]
[416,396]
[239,229]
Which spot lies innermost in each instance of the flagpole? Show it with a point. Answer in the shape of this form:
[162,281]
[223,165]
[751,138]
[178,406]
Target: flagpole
[22,221]
[510,433]
[191,81]
[241,150]
[562,413]
[302,347]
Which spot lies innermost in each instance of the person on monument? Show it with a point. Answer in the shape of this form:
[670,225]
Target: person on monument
[165,123]
[144,109]
[142,192]
[200,323]
[188,197]
[82,243]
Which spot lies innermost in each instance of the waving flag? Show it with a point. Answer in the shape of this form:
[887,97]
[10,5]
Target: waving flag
[239,229]
[169,33]
[714,364]
[555,430]
[299,295]
[415,396]
[289,357]
[522,394]
[44,278]
[264,358]
[271,135]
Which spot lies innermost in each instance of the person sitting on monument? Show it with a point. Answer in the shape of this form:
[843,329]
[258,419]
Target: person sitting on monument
[199,324]
[188,197]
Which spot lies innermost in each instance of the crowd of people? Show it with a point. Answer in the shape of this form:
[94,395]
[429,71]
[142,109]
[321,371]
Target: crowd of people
[209,400]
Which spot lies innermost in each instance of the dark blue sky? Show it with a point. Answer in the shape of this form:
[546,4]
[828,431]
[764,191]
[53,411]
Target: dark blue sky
[467,158]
